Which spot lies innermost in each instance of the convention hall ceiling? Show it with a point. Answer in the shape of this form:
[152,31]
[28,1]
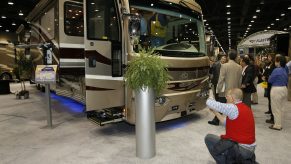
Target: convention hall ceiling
[229,20]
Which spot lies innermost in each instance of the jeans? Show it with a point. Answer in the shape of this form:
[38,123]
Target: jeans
[225,151]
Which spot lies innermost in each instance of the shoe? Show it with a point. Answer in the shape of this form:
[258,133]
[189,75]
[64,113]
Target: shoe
[213,123]
[268,112]
[272,127]
[270,121]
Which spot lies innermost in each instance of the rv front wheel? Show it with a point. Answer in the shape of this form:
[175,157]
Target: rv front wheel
[6,76]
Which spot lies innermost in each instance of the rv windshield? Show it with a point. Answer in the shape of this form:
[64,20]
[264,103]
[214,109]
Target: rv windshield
[170,33]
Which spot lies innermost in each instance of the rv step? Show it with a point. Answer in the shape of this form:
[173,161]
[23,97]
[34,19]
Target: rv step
[106,116]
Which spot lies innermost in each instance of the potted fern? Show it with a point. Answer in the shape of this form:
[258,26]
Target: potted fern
[147,76]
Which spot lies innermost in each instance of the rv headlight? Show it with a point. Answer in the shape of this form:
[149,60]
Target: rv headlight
[161,100]
[204,92]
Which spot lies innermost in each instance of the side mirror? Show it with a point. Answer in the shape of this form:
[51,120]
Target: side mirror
[134,25]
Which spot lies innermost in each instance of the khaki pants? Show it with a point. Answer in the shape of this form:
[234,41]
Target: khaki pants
[289,87]
[278,99]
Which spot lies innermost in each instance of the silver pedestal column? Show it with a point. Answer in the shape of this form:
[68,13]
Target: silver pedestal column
[145,123]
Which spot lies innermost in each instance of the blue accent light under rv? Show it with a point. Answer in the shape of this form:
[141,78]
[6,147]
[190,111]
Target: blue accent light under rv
[69,104]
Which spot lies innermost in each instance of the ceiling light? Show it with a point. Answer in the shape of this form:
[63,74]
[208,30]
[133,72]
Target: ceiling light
[272,24]
[0,26]
[262,2]
[289,8]
[277,19]
[10,2]
[204,20]
[250,25]
[7,30]
[152,4]
[247,31]
[228,12]
[3,16]
[228,6]
[228,26]
[228,18]
[206,24]
[252,21]
[282,14]
[248,28]
[92,3]
[268,27]
[254,16]
[265,30]
[13,24]
[258,10]
[20,13]
[285,29]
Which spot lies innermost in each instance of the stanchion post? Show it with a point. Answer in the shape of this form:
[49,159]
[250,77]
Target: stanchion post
[48,105]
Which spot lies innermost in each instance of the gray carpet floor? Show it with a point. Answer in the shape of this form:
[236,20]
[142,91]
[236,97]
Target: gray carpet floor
[25,139]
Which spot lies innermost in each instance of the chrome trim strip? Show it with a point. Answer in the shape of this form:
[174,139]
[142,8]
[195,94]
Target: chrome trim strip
[102,77]
[68,45]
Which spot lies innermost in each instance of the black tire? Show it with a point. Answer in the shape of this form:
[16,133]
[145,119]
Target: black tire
[42,88]
[18,96]
[26,95]
[38,87]
[6,76]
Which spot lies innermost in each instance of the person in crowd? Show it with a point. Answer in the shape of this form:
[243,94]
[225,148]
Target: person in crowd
[143,29]
[229,76]
[248,76]
[269,67]
[158,29]
[237,145]
[279,81]
[214,71]
[255,63]
[288,65]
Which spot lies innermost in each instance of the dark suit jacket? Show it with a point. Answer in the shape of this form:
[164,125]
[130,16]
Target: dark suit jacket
[215,70]
[248,77]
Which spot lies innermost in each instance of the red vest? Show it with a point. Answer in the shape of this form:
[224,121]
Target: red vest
[241,129]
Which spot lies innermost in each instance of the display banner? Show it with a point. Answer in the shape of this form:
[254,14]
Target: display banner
[259,39]
[46,74]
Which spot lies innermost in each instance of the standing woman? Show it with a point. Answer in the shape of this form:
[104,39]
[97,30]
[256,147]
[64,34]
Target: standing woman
[248,76]
[279,81]
[268,69]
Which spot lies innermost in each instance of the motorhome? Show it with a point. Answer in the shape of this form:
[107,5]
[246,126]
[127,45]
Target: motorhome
[92,41]
[7,61]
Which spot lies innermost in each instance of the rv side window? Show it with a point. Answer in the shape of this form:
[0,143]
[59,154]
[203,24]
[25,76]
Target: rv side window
[102,22]
[74,20]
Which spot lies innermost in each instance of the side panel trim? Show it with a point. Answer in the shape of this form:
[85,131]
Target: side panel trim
[100,77]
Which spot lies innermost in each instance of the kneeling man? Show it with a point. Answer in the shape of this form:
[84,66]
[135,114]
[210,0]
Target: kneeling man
[237,145]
